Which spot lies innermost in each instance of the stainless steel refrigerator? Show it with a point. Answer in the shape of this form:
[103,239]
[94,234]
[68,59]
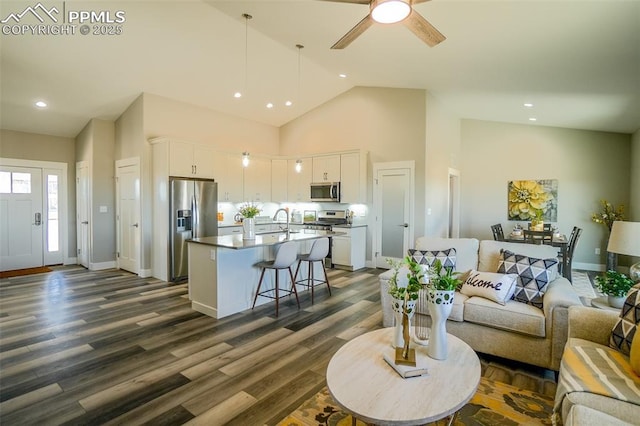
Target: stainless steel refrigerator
[194,214]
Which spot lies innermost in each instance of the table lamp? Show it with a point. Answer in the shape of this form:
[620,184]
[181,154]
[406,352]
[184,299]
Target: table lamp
[625,239]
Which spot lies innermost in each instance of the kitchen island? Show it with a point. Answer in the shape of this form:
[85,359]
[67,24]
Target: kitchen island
[222,278]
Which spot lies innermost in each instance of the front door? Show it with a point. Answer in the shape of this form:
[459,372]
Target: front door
[21,218]
[128,214]
[393,201]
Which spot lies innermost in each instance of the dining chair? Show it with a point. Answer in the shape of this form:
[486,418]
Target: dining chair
[498,234]
[537,237]
[573,242]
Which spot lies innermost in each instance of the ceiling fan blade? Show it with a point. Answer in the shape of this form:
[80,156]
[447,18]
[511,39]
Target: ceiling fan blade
[354,1]
[354,33]
[423,29]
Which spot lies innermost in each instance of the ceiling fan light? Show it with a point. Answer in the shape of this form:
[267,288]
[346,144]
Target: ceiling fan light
[389,11]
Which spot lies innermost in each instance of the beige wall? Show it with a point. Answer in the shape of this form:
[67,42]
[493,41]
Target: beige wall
[442,153]
[388,123]
[634,204]
[31,146]
[589,166]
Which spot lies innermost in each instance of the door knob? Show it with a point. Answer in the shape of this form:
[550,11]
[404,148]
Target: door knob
[85,222]
[38,219]
[135,224]
[404,225]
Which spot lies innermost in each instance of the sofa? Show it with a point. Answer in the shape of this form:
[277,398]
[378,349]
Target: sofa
[515,330]
[578,403]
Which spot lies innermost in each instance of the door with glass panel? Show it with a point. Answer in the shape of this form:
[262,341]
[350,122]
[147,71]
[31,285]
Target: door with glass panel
[393,202]
[21,218]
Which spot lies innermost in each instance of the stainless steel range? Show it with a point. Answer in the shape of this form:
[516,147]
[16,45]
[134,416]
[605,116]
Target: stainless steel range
[326,219]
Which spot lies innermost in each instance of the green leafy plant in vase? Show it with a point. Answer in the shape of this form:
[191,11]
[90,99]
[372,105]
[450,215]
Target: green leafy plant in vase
[249,210]
[615,285]
[404,298]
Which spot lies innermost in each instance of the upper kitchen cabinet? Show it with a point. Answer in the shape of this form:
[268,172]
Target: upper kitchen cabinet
[353,178]
[299,183]
[257,180]
[279,181]
[190,160]
[326,168]
[228,174]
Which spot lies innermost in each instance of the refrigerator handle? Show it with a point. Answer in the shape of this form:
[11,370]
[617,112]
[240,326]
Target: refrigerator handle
[195,217]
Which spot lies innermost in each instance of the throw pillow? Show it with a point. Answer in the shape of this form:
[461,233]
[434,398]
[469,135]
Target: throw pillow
[490,285]
[534,275]
[428,257]
[625,328]
[634,355]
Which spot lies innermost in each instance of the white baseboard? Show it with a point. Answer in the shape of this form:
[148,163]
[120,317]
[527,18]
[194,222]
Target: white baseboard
[70,261]
[144,273]
[204,309]
[102,265]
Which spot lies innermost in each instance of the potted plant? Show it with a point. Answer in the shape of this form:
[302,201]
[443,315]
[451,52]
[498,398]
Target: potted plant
[404,296]
[615,285]
[443,284]
[249,211]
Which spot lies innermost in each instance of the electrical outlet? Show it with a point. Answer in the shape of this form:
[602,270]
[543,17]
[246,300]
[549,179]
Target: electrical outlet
[597,250]
[213,255]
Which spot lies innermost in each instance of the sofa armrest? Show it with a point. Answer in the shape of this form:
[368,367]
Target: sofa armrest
[560,293]
[591,324]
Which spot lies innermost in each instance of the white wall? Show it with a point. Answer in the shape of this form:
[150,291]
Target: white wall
[589,166]
[634,204]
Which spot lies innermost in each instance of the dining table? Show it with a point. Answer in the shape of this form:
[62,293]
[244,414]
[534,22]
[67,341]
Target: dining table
[557,240]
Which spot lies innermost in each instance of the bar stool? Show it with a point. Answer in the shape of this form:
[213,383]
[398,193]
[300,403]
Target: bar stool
[285,257]
[319,250]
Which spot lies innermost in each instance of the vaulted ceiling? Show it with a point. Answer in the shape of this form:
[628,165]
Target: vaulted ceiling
[577,62]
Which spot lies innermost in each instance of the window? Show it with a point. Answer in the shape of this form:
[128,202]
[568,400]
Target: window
[52,213]
[15,183]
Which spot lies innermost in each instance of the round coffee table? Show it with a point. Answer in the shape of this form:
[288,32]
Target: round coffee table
[364,385]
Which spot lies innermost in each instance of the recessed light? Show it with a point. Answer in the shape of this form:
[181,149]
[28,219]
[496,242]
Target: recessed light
[237,95]
[288,103]
[533,119]
[528,105]
[269,105]
[342,75]
[41,104]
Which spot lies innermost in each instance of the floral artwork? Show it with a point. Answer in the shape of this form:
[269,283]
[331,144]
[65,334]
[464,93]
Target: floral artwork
[533,199]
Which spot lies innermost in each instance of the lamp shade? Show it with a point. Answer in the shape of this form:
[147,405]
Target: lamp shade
[625,238]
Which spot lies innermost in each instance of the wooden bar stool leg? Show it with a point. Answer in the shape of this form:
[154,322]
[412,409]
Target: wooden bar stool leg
[326,277]
[295,276]
[293,284]
[258,290]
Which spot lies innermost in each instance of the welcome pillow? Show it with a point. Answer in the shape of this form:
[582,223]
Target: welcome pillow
[534,275]
[490,285]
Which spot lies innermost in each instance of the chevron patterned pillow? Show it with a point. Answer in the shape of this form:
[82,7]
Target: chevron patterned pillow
[428,257]
[534,275]
[625,328]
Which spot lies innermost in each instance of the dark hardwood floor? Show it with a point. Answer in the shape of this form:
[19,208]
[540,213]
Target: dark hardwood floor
[80,347]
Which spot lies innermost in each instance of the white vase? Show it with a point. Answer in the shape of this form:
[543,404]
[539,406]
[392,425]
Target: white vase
[248,228]
[398,335]
[440,305]
[616,302]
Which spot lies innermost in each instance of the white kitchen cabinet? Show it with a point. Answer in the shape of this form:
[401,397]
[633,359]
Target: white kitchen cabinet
[326,168]
[228,174]
[229,230]
[353,178]
[257,180]
[348,250]
[299,184]
[279,181]
[190,160]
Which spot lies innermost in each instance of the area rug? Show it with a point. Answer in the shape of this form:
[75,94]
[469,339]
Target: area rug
[494,403]
[582,285]
[27,271]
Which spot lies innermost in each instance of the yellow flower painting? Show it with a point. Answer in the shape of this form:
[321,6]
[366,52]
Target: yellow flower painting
[529,199]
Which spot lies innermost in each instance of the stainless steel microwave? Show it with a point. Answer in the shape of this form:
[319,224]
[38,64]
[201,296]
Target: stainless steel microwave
[325,192]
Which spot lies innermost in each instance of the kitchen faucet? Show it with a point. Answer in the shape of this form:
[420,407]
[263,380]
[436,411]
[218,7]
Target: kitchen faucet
[275,218]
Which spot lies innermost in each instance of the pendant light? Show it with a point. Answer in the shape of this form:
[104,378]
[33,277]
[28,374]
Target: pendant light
[300,47]
[298,166]
[246,17]
[245,159]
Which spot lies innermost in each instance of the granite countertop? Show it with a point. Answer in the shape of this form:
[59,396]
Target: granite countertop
[351,225]
[236,242]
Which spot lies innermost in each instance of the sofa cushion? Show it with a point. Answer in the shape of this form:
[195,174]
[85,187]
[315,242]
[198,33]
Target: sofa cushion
[534,275]
[428,257]
[514,316]
[490,285]
[489,255]
[634,356]
[625,328]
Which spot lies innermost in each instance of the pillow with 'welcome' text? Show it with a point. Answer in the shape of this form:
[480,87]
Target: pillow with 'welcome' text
[490,285]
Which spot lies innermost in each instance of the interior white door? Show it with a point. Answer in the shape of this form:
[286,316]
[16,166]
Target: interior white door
[21,218]
[392,205]
[128,216]
[83,211]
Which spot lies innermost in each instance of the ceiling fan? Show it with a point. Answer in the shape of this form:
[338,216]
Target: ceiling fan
[389,12]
